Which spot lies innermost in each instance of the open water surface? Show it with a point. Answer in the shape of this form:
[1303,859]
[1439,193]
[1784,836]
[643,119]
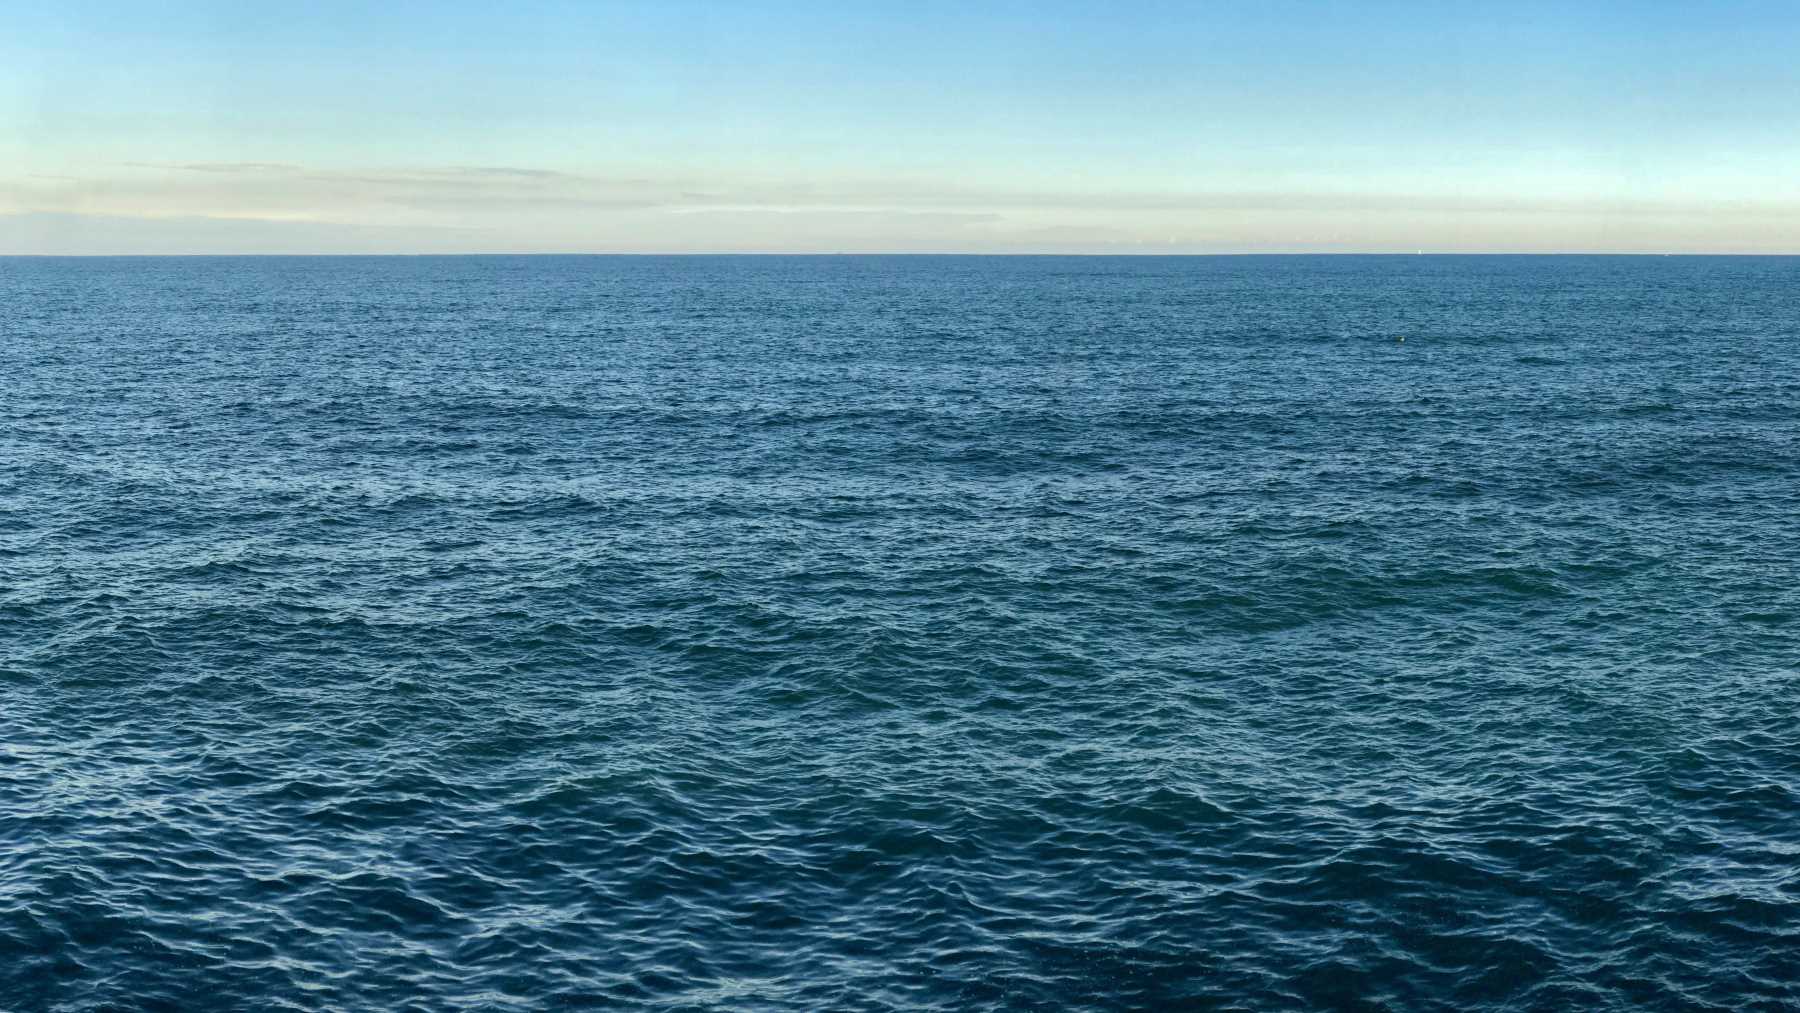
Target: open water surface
[899,633]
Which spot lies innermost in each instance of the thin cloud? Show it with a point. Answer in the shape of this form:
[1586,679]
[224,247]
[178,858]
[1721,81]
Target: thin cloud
[501,172]
[502,202]
[464,187]
[229,168]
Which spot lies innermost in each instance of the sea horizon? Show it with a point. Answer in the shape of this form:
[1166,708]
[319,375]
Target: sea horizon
[788,506]
[911,253]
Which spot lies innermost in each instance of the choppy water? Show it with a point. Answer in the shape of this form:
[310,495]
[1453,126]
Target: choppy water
[913,633]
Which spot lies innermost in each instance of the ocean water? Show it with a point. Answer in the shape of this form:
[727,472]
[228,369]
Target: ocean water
[904,633]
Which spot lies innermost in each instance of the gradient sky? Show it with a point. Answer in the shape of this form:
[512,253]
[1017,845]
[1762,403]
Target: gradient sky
[1278,125]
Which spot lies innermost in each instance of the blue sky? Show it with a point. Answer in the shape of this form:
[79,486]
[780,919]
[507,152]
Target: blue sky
[982,127]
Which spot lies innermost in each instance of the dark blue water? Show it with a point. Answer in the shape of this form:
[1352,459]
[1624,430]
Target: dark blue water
[896,634]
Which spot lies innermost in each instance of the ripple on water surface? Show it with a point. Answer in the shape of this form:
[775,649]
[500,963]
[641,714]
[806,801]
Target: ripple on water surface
[891,634]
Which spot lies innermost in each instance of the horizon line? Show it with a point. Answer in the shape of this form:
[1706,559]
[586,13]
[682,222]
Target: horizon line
[914,253]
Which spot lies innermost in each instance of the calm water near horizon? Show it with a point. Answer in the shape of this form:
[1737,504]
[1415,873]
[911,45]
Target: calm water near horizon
[900,633]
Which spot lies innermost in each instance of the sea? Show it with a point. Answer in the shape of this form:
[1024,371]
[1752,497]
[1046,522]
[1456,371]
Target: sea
[902,633]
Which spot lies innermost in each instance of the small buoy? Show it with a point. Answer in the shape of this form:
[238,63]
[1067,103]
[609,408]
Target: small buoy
[1400,340]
